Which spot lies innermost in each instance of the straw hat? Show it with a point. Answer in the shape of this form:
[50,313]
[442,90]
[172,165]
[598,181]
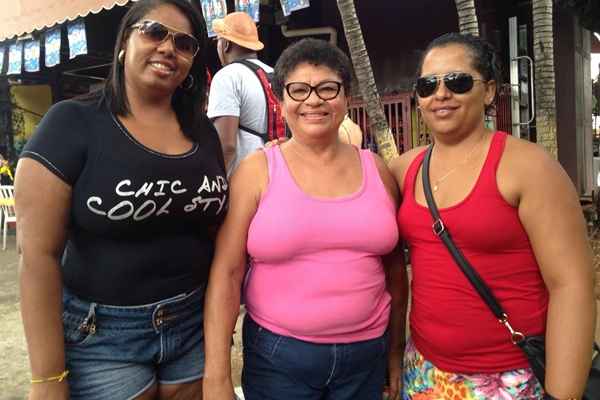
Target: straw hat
[239,28]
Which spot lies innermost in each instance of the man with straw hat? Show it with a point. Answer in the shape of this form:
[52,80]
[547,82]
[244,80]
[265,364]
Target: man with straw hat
[236,101]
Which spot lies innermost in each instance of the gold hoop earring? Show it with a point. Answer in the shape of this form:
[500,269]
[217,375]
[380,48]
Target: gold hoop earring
[121,56]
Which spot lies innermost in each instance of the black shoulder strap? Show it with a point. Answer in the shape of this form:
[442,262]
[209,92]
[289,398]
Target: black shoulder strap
[440,230]
[255,67]
[263,136]
[482,289]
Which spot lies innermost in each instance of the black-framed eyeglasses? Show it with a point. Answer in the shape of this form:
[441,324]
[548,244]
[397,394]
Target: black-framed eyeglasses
[457,82]
[326,90]
[185,44]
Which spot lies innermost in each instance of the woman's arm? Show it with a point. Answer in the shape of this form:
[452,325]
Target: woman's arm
[42,204]
[397,282]
[550,213]
[227,273]
[397,285]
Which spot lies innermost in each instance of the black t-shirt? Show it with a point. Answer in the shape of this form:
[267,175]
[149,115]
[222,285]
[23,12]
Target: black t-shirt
[142,223]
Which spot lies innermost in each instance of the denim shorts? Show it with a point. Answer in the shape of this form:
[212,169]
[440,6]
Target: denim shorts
[280,367]
[118,353]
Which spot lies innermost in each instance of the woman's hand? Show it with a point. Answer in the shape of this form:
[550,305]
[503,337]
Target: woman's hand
[276,142]
[49,391]
[222,303]
[395,375]
[217,389]
[549,210]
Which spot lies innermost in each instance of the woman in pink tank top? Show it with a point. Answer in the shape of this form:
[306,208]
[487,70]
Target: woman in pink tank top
[316,217]
[513,212]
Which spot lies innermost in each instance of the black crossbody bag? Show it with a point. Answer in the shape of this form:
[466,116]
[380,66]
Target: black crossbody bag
[533,346]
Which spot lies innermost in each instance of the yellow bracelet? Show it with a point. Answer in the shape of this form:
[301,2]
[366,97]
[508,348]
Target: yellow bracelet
[57,378]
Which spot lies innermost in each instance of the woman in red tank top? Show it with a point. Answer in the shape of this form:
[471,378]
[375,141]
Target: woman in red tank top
[514,213]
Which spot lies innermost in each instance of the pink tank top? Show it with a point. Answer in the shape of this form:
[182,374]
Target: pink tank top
[450,324]
[316,272]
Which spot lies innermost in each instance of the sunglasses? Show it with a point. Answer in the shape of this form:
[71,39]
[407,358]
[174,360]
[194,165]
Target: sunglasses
[456,82]
[185,44]
[300,91]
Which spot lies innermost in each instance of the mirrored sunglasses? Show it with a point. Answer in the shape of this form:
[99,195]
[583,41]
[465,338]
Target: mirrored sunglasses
[185,44]
[456,82]
[300,91]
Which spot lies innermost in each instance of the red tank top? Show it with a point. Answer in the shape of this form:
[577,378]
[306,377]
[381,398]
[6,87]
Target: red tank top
[450,324]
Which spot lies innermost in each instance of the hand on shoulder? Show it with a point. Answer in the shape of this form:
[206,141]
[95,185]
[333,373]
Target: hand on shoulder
[276,142]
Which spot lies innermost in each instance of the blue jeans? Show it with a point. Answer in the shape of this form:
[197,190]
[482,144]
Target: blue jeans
[119,352]
[279,367]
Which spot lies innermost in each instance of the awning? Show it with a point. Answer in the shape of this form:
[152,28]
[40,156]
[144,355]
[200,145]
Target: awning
[23,16]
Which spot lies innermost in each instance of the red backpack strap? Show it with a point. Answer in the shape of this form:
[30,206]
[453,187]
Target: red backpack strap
[275,123]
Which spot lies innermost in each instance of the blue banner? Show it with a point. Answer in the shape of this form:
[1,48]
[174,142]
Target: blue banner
[213,9]
[249,6]
[52,47]
[289,6]
[77,38]
[15,58]
[32,55]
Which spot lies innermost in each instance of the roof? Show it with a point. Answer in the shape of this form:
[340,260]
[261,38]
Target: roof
[19,17]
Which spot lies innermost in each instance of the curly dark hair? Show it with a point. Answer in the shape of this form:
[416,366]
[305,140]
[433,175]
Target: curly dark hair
[315,52]
[187,104]
[483,56]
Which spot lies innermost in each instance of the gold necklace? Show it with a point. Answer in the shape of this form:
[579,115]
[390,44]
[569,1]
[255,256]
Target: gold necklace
[451,171]
[292,147]
[303,157]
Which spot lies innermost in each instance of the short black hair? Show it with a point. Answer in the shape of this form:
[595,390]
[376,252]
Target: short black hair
[187,104]
[483,56]
[316,52]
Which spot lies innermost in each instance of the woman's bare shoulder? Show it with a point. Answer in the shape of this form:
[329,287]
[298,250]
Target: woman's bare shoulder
[386,177]
[252,174]
[527,168]
[522,155]
[400,164]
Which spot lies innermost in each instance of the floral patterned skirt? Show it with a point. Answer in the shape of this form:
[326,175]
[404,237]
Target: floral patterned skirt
[423,381]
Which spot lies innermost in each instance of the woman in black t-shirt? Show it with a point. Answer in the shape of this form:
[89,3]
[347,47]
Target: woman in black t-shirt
[118,196]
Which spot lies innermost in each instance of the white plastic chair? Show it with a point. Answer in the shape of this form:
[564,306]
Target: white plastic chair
[7,205]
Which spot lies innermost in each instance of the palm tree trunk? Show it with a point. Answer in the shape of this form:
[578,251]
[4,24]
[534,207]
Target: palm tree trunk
[467,17]
[366,82]
[545,92]
[6,120]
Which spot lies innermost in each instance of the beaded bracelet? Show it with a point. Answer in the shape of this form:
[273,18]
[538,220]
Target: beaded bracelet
[57,378]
